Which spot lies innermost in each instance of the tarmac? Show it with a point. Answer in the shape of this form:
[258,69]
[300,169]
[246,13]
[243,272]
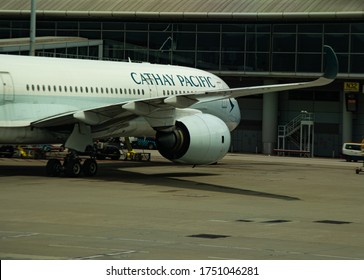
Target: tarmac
[251,207]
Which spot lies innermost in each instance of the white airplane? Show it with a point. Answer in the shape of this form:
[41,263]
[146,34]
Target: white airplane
[70,101]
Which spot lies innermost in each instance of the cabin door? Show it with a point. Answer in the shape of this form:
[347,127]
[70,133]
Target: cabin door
[6,87]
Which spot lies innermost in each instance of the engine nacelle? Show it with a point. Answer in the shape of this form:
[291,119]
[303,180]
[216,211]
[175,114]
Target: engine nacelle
[196,139]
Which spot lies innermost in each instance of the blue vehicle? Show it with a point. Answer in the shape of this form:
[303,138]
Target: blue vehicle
[145,143]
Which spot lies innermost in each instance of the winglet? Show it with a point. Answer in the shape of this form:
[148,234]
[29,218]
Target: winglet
[331,63]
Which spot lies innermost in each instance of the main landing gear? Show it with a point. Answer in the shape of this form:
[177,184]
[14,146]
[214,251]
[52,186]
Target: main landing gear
[72,166]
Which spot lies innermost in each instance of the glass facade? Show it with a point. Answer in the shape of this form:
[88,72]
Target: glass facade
[241,47]
[258,50]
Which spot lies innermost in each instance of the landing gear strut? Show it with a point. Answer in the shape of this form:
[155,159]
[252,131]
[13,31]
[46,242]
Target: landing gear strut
[72,166]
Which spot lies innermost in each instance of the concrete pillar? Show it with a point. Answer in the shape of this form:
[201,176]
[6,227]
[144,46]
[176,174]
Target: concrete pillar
[33,29]
[270,122]
[347,123]
[101,51]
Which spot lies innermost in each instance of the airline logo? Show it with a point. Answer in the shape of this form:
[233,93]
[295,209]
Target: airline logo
[172,80]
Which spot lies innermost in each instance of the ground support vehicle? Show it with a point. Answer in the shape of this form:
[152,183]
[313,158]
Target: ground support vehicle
[108,151]
[7,151]
[136,156]
[130,154]
[353,151]
[144,143]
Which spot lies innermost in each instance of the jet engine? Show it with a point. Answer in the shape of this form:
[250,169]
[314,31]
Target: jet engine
[195,139]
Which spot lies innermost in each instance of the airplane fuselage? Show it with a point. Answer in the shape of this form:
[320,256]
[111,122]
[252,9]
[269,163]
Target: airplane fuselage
[34,89]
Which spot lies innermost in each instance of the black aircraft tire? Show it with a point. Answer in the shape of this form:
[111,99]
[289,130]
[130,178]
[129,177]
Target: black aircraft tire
[54,167]
[89,167]
[73,168]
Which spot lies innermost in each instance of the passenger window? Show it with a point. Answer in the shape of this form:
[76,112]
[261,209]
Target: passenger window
[27,87]
[65,88]
[54,88]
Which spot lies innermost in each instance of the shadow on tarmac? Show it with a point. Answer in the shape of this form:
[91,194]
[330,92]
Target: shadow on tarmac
[113,172]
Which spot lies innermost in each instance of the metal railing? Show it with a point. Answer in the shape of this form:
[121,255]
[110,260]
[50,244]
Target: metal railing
[297,132]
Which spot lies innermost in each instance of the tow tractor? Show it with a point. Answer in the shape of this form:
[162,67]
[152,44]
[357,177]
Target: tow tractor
[106,150]
[111,149]
[130,154]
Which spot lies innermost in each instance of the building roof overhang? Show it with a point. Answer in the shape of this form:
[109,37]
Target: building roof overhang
[234,16]
[247,10]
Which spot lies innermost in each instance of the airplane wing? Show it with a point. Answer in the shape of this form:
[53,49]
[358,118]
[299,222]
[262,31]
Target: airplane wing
[98,115]
[124,111]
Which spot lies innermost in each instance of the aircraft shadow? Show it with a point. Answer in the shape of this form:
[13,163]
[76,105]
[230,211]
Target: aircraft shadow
[113,172]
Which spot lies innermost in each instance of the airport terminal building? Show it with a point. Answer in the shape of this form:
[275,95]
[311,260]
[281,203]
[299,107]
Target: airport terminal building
[244,42]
